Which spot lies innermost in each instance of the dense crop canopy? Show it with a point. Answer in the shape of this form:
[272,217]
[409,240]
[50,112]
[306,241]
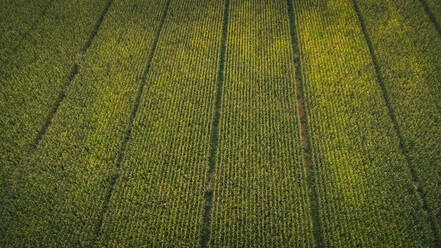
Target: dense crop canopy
[220,123]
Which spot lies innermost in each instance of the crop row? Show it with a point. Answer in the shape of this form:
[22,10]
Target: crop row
[435,10]
[33,78]
[17,18]
[260,196]
[158,198]
[60,196]
[125,160]
[366,195]
[412,84]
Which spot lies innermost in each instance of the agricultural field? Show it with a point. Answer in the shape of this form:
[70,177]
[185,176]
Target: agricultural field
[220,123]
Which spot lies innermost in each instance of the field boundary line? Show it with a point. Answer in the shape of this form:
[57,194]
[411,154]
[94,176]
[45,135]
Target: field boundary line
[71,77]
[16,177]
[18,173]
[123,149]
[431,16]
[214,139]
[419,191]
[304,133]
[34,24]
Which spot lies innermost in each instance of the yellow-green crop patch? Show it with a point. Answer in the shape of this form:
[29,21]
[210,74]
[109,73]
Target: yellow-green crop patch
[220,123]
[17,19]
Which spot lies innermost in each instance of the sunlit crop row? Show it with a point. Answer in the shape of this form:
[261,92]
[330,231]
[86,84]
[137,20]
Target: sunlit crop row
[59,198]
[365,189]
[260,196]
[33,75]
[16,22]
[158,200]
[412,83]
[125,160]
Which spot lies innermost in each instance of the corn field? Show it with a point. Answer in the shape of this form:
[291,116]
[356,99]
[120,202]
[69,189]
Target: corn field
[220,123]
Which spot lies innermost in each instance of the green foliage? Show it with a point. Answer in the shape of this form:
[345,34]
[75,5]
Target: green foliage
[62,188]
[158,199]
[408,51]
[365,190]
[125,160]
[260,196]
[435,7]
[17,18]
[32,78]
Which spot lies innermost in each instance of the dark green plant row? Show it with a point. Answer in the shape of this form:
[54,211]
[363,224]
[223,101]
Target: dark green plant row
[158,199]
[17,18]
[366,192]
[435,9]
[260,195]
[58,197]
[408,48]
[125,159]
[33,77]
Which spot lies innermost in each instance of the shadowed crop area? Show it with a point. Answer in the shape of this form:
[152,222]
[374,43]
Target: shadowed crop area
[220,123]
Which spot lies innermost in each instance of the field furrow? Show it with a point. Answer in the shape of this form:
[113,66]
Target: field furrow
[305,133]
[114,177]
[366,194]
[412,87]
[32,81]
[158,196]
[214,136]
[220,123]
[58,196]
[260,195]
[433,12]
[17,18]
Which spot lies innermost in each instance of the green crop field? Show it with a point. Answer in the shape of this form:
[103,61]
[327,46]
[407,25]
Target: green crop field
[220,123]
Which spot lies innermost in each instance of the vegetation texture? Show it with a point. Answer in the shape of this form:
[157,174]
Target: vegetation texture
[220,123]
[413,90]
